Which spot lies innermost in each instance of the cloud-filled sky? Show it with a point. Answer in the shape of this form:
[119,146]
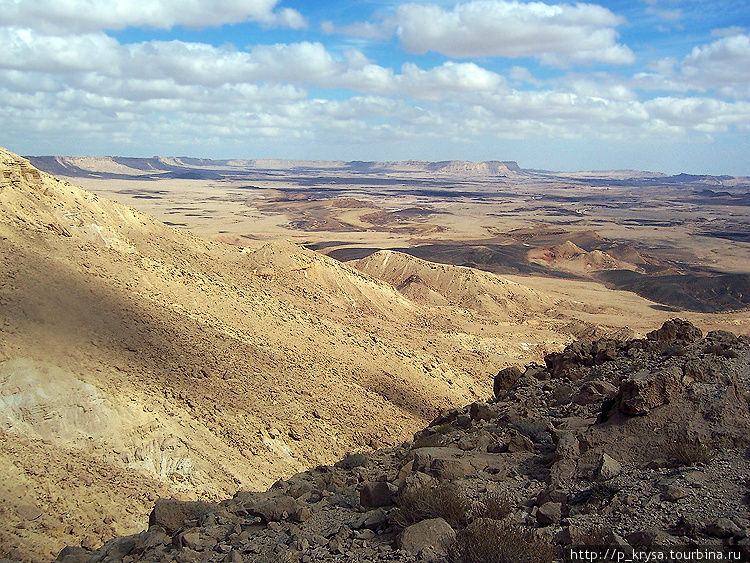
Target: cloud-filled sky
[645,84]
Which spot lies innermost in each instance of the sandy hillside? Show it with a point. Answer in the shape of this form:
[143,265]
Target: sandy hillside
[138,360]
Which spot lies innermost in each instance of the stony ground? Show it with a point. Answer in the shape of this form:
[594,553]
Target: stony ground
[630,443]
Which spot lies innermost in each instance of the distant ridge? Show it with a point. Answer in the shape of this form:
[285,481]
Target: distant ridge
[203,168]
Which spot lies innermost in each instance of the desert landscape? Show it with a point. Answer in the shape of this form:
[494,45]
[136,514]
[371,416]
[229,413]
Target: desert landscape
[455,281]
[277,319]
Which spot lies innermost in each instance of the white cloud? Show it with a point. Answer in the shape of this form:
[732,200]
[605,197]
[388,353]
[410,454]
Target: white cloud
[366,30]
[81,16]
[556,34]
[722,66]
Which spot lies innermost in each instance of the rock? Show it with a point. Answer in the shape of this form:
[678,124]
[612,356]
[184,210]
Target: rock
[674,494]
[723,528]
[675,330]
[520,443]
[352,460]
[648,390]
[374,494]
[608,468]
[567,447]
[74,554]
[434,533]
[481,411]
[276,509]
[505,379]
[171,514]
[549,513]
[28,512]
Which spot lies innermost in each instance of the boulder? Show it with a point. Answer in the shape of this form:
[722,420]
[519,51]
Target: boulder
[374,494]
[481,411]
[549,513]
[434,534]
[505,379]
[172,514]
[609,468]
[675,331]
[647,390]
[276,509]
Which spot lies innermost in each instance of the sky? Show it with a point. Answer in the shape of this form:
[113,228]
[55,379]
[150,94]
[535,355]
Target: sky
[659,85]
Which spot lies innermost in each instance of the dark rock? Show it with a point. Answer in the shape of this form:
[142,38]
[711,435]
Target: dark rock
[481,411]
[505,379]
[647,390]
[675,330]
[374,494]
[352,460]
[172,514]
[549,513]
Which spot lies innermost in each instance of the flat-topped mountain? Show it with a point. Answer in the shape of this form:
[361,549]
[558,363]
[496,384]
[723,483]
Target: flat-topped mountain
[187,167]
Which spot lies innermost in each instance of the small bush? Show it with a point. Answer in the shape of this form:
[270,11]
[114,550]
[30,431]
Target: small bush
[491,541]
[493,505]
[445,501]
[689,452]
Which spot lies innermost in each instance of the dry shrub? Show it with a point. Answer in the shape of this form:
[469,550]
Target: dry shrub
[493,505]
[689,452]
[445,501]
[491,541]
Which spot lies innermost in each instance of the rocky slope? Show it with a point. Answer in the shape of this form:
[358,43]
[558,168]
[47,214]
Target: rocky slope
[635,444]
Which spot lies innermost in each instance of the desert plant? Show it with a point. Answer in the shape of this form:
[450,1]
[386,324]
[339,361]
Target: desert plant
[493,505]
[446,501]
[689,452]
[492,541]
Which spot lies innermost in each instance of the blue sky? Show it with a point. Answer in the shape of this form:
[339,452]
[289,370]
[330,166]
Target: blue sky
[645,84]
